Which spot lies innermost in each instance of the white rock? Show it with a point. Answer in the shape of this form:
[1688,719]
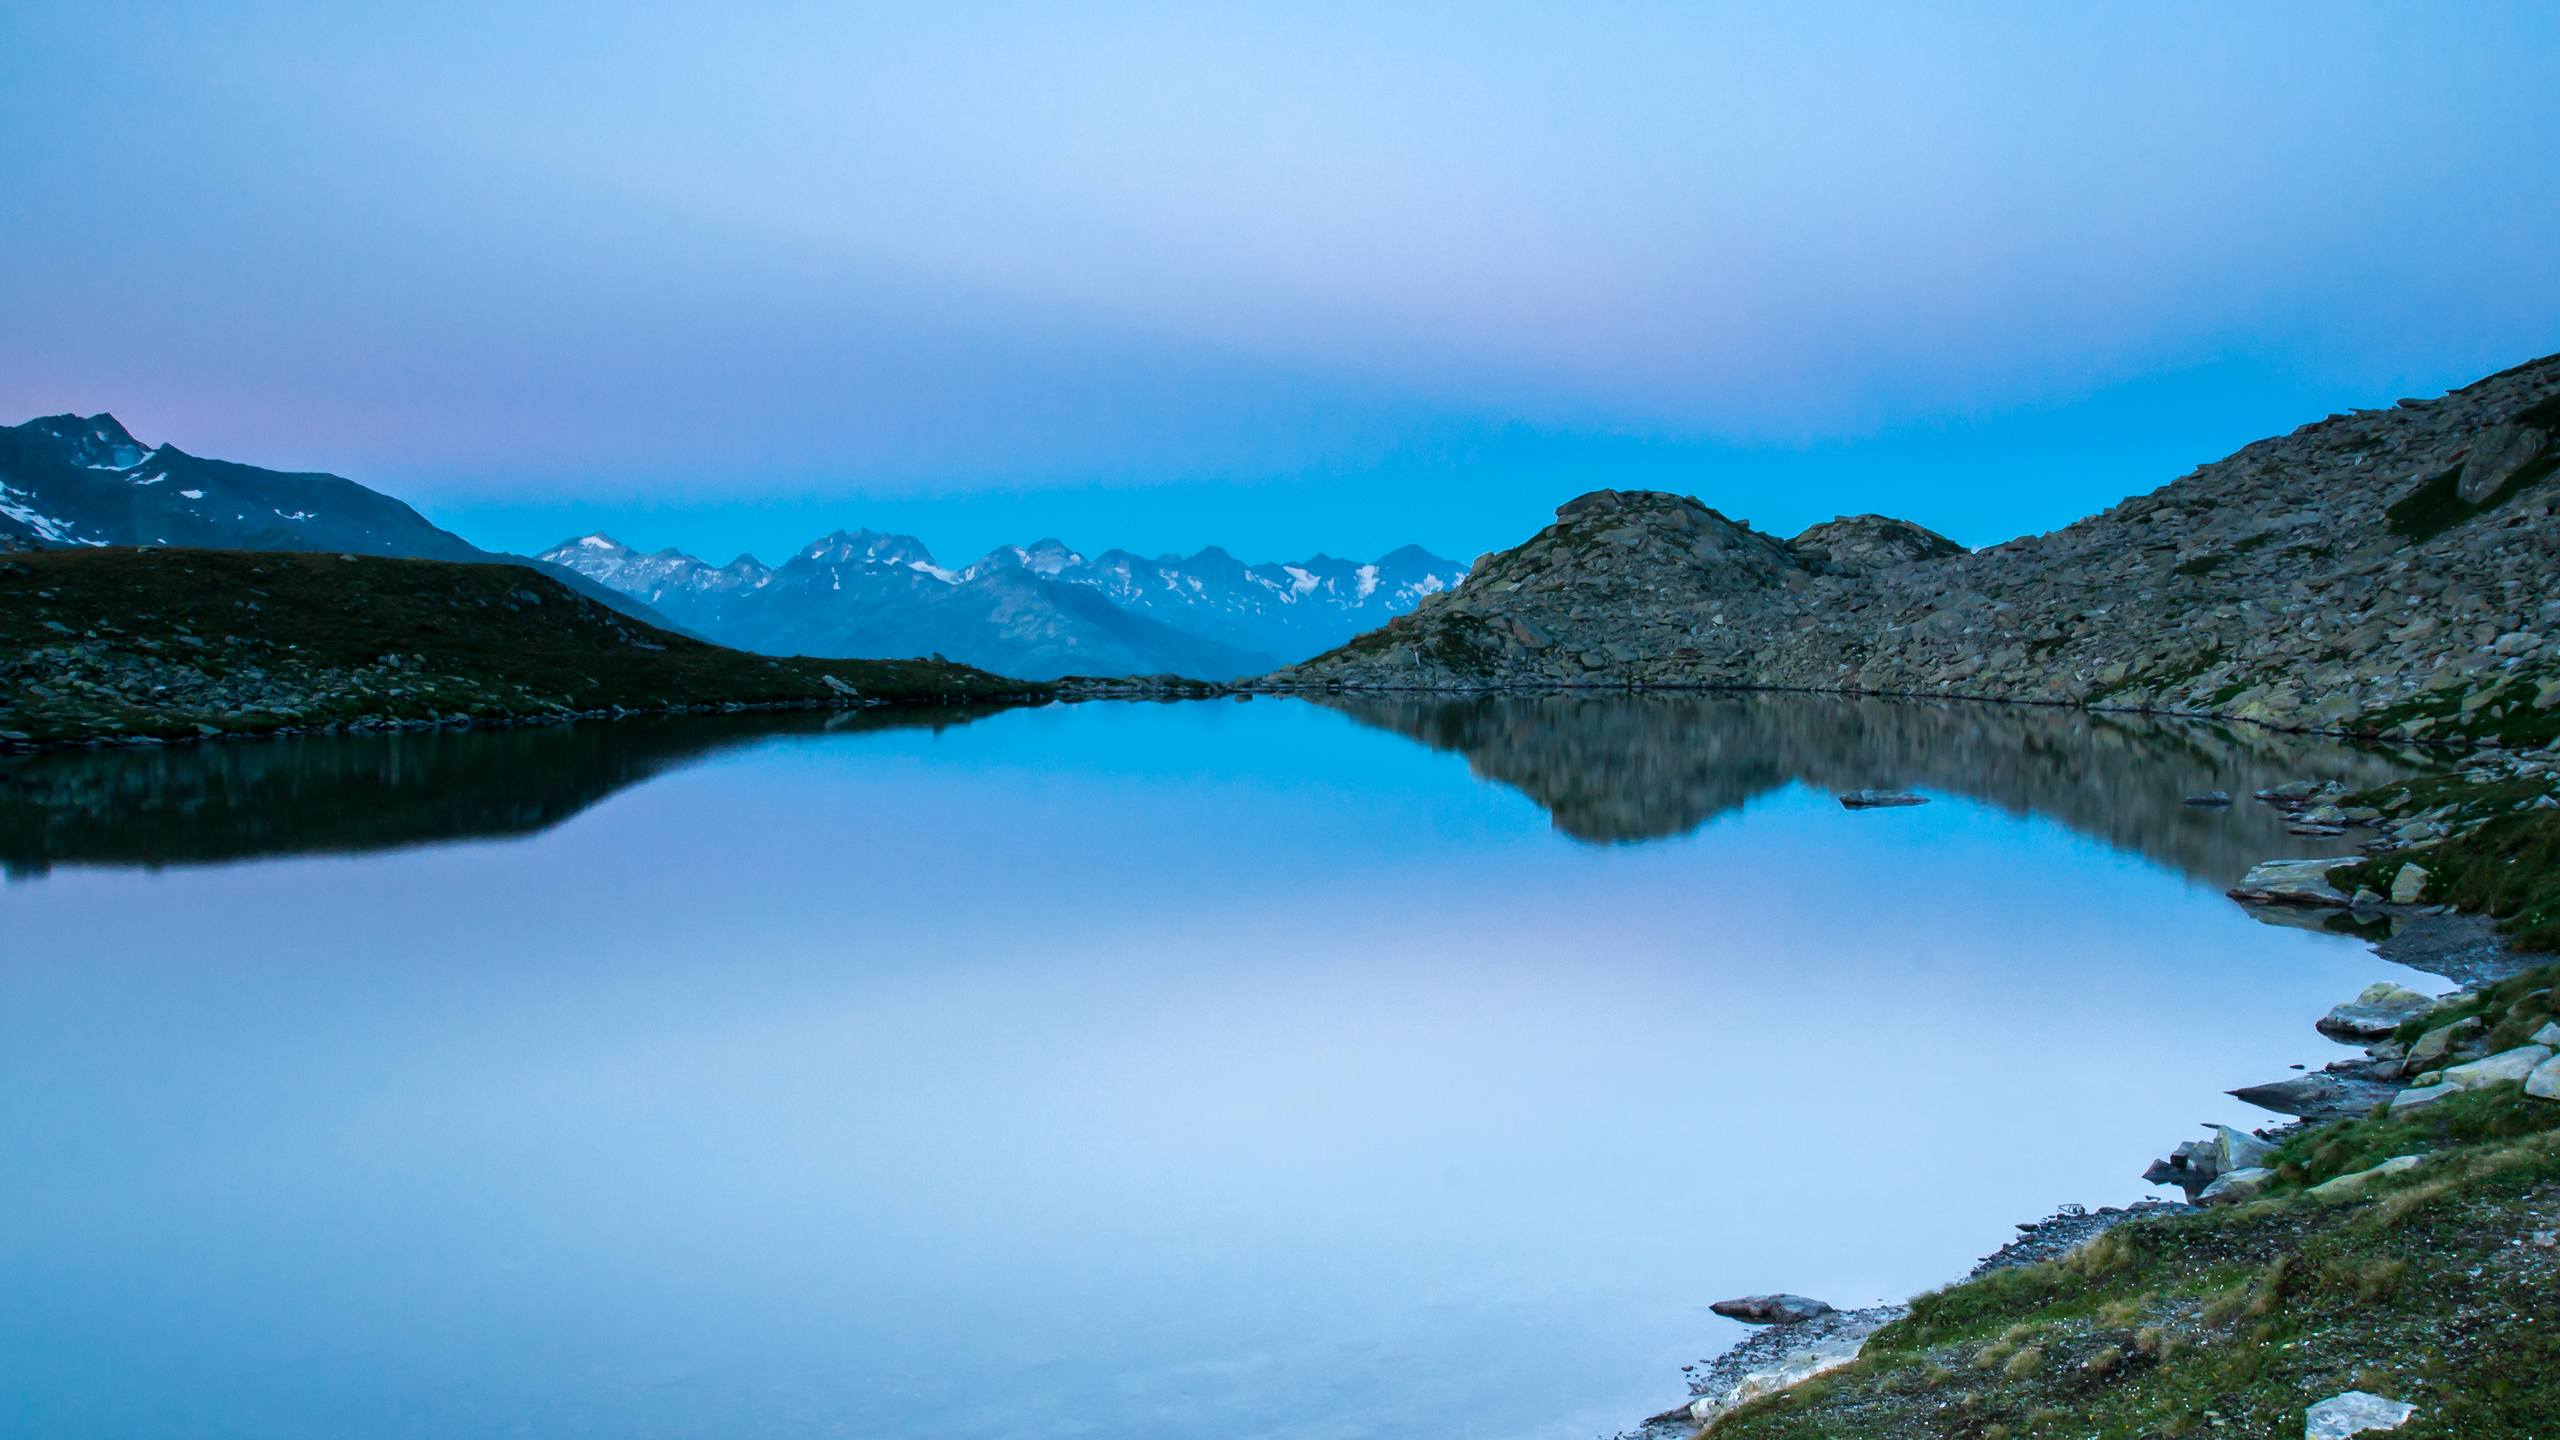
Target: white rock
[2353,1413]
[2408,885]
[2235,1186]
[2544,1082]
[2498,1069]
[2417,1095]
[2290,882]
[2349,1186]
[2549,1034]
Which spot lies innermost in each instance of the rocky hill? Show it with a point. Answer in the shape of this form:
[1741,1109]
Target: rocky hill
[150,645]
[2389,571]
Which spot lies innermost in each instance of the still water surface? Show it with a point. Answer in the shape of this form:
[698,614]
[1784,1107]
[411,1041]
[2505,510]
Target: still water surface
[1208,1070]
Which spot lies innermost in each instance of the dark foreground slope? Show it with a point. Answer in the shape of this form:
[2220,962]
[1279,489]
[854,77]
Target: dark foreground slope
[108,644]
[2388,571]
[2432,1286]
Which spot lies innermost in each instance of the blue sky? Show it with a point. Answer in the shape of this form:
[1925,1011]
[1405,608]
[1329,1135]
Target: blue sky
[1285,279]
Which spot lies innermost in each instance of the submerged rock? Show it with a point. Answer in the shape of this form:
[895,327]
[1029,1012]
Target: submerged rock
[2210,798]
[2291,882]
[1879,799]
[1779,1309]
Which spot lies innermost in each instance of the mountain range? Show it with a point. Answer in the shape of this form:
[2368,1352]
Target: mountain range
[1039,610]
[1036,611]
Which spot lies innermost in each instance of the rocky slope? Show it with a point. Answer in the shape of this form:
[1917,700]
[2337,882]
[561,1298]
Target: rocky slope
[2393,571]
[151,645]
[1040,610]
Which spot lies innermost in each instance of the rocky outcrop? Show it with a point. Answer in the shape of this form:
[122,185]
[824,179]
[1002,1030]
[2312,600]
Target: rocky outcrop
[2387,571]
[1778,1309]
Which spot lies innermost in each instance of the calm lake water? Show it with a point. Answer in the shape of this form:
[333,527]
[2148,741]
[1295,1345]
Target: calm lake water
[1206,1070]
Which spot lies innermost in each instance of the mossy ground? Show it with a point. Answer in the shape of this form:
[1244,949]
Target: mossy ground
[159,642]
[2506,866]
[2435,1286]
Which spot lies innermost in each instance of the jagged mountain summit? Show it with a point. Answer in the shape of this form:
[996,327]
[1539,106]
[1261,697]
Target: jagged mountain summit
[71,482]
[2394,571]
[1039,610]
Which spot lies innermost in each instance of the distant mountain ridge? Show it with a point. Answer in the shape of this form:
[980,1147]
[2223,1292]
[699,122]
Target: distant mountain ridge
[1039,610]
[74,482]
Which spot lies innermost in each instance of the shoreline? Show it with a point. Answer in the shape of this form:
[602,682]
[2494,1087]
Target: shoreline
[1763,1371]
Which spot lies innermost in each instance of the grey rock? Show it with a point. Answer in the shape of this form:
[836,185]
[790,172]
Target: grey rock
[2544,1082]
[2210,798]
[2318,1096]
[2354,1184]
[2353,1412]
[2375,1013]
[2291,882]
[2233,1187]
[1880,799]
[2408,885]
[2507,1066]
[1774,1309]
[2444,1041]
[2495,458]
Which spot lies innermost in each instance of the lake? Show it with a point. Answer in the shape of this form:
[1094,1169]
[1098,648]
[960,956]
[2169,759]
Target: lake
[1374,1067]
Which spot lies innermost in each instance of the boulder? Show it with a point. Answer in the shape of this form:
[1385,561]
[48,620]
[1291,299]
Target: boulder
[2318,1096]
[2507,1065]
[1879,799]
[2408,885]
[2427,1094]
[2446,1040]
[2374,1014]
[1778,1309]
[2549,1034]
[2348,1187]
[2234,1186]
[2291,882]
[2353,1412]
[2496,457]
[2238,1150]
[2210,798]
[2544,1082]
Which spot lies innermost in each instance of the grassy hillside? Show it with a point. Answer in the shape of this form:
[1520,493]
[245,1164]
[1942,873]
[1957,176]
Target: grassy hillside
[2431,1286]
[107,644]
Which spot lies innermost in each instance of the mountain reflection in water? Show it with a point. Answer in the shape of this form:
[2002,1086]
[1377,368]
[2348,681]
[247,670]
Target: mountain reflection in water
[1608,769]
[1622,768]
[347,794]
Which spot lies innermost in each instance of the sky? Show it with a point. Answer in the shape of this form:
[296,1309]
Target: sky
[1285,279]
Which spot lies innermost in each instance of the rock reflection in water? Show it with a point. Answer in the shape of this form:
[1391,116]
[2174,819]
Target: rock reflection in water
[344,794]
[1622,768]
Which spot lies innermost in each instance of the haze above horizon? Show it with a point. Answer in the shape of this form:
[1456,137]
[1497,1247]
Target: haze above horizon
[1278,279]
